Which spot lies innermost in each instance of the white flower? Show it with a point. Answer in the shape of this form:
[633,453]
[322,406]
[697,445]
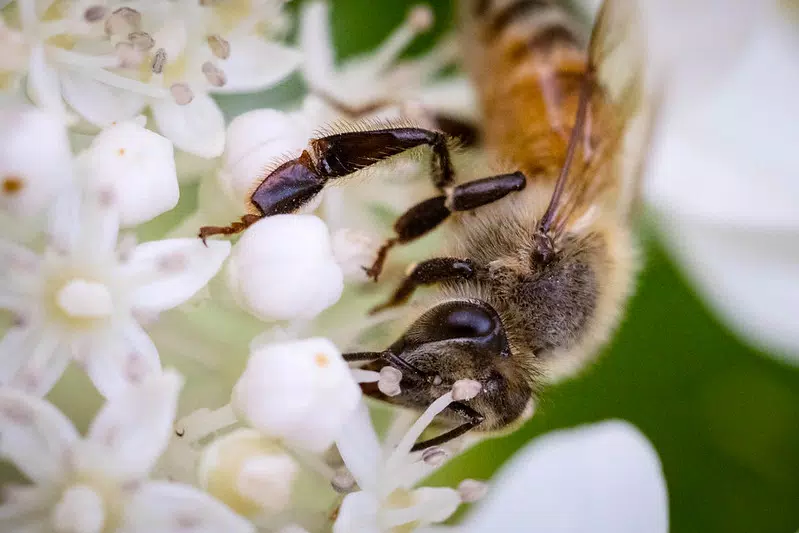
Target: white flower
[138,165]
[386,499]
[723,180]
[100,483]
[248,472]
[35,166]
[604,477]
[283,268]
[110,60]
[83,298]
[301,392]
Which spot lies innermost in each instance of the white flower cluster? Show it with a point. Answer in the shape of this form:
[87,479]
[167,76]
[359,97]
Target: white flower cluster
[96,98]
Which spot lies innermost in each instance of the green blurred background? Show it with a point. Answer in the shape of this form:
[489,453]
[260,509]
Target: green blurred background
[724,418]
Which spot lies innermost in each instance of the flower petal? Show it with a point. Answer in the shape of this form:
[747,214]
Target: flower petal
[19,275]
[601,478]
[171,271]
[44,363]
[36,436]
[256,64]
[360,449]
[36,157]
[357,514]
[43,85]
[98,103]
[197,127]
[126,360]
[161,507]
[316,43]
[133,428]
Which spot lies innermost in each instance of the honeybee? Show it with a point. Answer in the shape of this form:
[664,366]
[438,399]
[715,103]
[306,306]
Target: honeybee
[542,258]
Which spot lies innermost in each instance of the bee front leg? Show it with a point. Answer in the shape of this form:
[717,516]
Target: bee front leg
[429,272]
[427,215]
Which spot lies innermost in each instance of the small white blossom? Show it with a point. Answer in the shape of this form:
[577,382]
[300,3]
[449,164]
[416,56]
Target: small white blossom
[35,165]
[301,392]
[283,268]
[100,483]
[83,298]
[138,165]
[250,473]
[603,478]
[387,500]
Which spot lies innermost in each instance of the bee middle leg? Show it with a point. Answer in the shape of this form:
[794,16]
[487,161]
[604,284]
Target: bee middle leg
[427,215]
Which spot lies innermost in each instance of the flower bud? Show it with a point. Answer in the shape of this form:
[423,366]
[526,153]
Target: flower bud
[139,166]
[283,268]
[247,472]
[301,392]
[256,141]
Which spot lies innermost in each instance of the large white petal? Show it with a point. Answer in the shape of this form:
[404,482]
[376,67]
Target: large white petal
[98,103]
[600,478]
[197,127]
[126,359]
[43,365]
[256,64]
[34,149]
[161,507]
[169,272]
[133,428]
[34,436]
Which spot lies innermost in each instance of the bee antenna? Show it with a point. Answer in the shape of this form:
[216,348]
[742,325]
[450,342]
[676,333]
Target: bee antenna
[574,139]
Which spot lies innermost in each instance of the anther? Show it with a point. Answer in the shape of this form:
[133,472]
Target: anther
[214,75]
[141,40]
[389,382]
[465,389]
[434,456]
[342,481]
[122,21]
[219,46]
[182,93]
[420,17]
[471,490]
[159,60]
[128,55]
[94,14]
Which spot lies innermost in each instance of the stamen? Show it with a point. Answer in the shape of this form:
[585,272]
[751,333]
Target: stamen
[390,50]
[182,93]
[364,376]
[219,46]
[214,75]
[342,481]
[159,60]
[203,422]
[123,21]
[129,56]
[95,14]
[434,456]
[141,40]
[389,382]
[413,434]
[472,490]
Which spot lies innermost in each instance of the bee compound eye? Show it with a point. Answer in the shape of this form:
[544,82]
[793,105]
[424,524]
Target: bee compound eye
[468,321]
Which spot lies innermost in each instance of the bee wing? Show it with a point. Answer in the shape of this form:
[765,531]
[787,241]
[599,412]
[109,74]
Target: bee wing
[612,144]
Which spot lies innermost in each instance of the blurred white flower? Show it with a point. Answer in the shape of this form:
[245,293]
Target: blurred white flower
[723,180]
[250,473]
[100,483]
[283,268]
[603,477]
[110,60]
[300,392]
[387,499]
[84,297]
